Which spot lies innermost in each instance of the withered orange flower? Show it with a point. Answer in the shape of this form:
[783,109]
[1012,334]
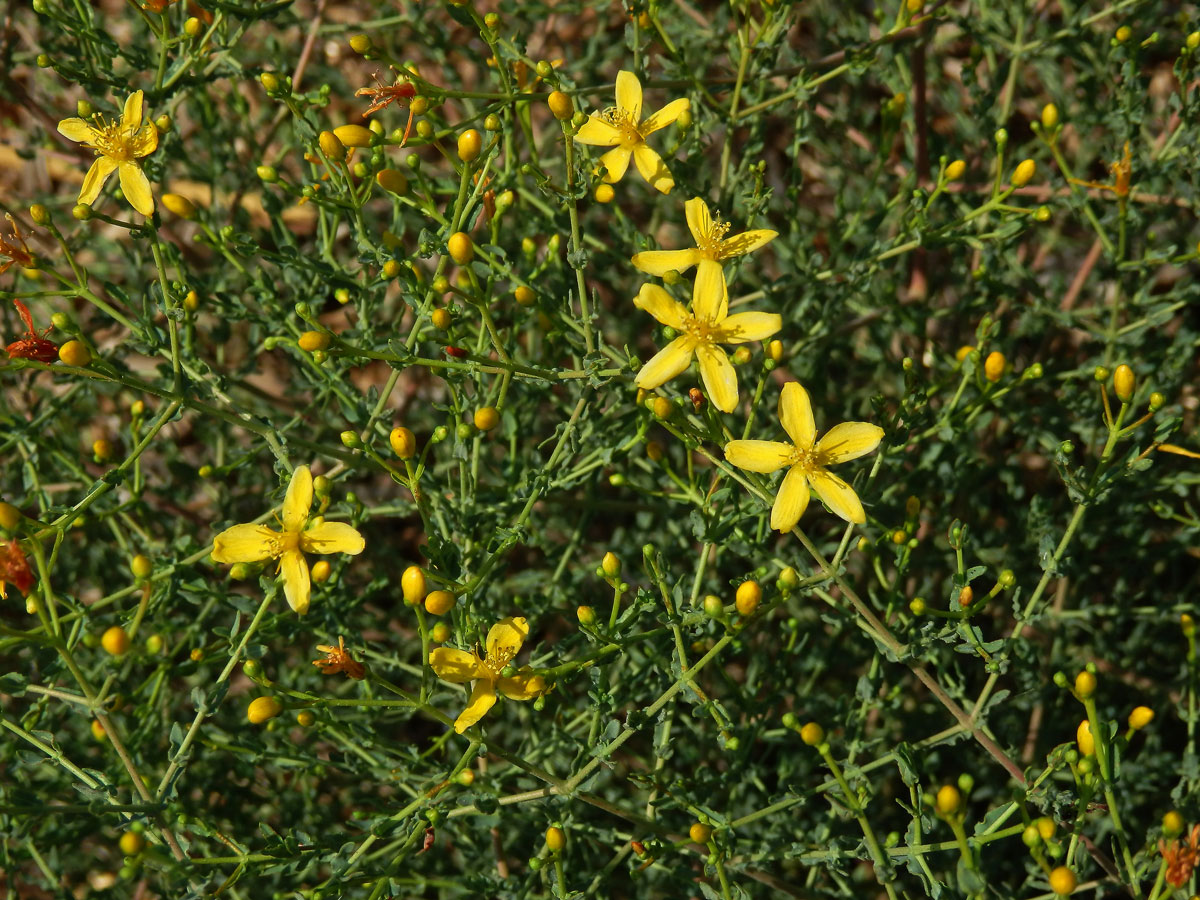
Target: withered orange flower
[383,95]
[14,568]
[18,252]
[338,659]
[32,345]
[1122,172]
[1181,857]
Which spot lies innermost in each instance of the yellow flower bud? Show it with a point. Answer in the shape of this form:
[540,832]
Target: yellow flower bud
[1140,717]
[412,585]
[812,734]
[747,598]
[1123,383]
[1062,881]
[524,295]
[262,709]
[313,341]
[305,718]
[1023,173]
[556,839]
[1172,823]
[1084,739]
[193,27]
[1085,685]
[1045,827]
[10,517]
[1193,40]
[955,170]
[486,418]
[1124,33]
[993,366]
[462,251]
[604,193]
[360,43]
[663,408]
[949,800]
[438,603]
[963,352]
[75,353]
[470,143]
[132,843]
[654,450]
[115,641]
[700,833]
[440,633]
[1049,116]
[179,205]
[775,350]
[141,566]
[321,570]
[560,105]
[392,181]
[353,135]
[331,146]
[441,319]
[610,565]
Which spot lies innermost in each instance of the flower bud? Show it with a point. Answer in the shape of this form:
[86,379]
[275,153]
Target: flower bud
[461,250]
[654,451]
[1084,739]
[351,440]
[39,214]
[700,833]
[747,598]
[10,517]
[1049,116]
[360,44]
[392,181]
[1023,173]
[179,205]
[1123,383]
[955,170]
[486,418]
[1140,717]
[812,734]
[586,616]
[353,135]
[470,143]
[412,585]
[313,341]
[713,607]
[1085,685]
[403,442]
[1172,823]
[1062,881]
[438,603]
[993,366]
[331,147]
[949,800]
[440,633]
[604,193]
[611,565]
[556,839]
[917,606]
[141,566]
[115,641]
[262,709]
[560,105]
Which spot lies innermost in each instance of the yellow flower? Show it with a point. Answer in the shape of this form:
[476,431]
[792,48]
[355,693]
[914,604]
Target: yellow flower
[808,459]
[504,642]
[699,334]
[255,543]
[624,129]
[117,145]
[711,243]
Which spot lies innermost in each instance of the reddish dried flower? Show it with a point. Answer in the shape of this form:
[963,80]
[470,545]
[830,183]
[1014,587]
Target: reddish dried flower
[456,352]
[17,252]
[32,345]
[383,95]
[1181,857]
[337,659]
[14,568]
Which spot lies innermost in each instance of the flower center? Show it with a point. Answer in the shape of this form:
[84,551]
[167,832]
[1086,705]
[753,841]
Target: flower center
[711,242]
[113,139]
[805,459]
[698,330]
[497,660]
[625,123]
[282,543]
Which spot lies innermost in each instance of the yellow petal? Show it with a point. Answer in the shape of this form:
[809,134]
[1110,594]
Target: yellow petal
[660,262]
[710,294]
[665,116]
[615,161]
[699,219]
[525,685]
[505,638]
[483,698]
[296,585]
[666,364]
[1178,451]
[749,326]
[597,133]
[720,380]
[850,440]
[244,544]
[131,117]
[838,496]
[298,500]
[651,167]
[791,501]
[332,537]
[145,141]
[746,242]
[629,95]
[136,186]
[76,130]
[656,301]
[455,666]
[758,456]
[94,180]
[795,413]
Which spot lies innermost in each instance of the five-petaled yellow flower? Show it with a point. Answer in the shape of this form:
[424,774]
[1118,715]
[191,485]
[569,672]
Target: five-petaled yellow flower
[808,459]
[504,641]
[117,146]
[624,129]
[700,332]
[711,243]
[255,543]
